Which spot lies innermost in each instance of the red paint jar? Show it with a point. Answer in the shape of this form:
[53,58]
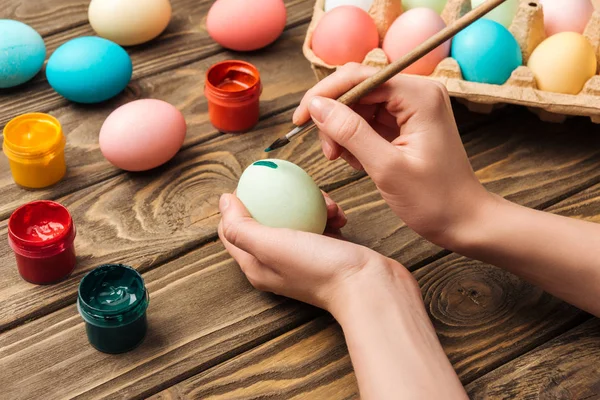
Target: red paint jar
[42,235]
[233,89]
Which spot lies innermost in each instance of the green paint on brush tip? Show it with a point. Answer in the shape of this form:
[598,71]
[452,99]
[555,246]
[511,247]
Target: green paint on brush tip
[269,164]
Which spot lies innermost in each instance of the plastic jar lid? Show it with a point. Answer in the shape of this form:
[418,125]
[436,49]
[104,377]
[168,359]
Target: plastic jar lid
[233,81]
[112,295]
[40,229]
[31,136]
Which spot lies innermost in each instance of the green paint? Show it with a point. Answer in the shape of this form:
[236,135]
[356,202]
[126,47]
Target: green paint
[269,164]
[112,300]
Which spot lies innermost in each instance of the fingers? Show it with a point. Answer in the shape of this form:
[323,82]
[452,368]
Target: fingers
[282,248]
[333,86]
[336,218]
[349,130]
[260,276]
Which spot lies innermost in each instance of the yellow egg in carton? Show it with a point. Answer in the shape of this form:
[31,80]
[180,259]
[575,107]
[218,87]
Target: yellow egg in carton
[521,88]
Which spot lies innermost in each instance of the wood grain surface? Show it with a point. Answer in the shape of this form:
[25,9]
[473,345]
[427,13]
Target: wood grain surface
[211,334]
[484,317]
[564,368]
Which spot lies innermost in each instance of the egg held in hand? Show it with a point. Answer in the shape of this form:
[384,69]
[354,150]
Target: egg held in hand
[246,25]
[435,5]
[343,35]
[142,135]
[486,52]
[503,14]
[566,15]
[280,194]
[22,53]
[410,30]
[563,63]
[362,4]
[129,22]
[89,69]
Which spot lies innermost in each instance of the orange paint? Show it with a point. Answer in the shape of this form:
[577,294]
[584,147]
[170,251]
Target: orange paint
[233,89]
[35,147]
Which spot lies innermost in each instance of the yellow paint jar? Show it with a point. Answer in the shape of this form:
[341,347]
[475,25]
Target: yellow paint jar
[35,146]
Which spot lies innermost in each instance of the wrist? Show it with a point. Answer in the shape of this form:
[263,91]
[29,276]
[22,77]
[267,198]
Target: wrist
[381,286]
[472,223]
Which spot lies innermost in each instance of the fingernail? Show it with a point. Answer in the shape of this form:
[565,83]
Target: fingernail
[295,117]
[320,108]
[224,202]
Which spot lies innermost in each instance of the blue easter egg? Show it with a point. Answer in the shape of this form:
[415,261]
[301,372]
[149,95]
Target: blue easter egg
[89,69]
[22,53]
[486,52]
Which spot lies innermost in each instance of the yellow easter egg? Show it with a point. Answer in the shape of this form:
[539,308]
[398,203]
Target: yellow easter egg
[563,63]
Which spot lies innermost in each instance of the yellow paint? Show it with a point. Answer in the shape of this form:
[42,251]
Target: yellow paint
[35,146]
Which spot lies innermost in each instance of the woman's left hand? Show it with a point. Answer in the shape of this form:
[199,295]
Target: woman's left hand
[315,269]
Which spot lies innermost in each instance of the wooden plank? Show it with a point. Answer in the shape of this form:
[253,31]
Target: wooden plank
[183,88]
[309,362]
[484,317]
[42,15]
[184,42]
[567,367]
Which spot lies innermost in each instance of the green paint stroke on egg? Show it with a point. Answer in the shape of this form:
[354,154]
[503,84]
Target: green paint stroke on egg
[269,164]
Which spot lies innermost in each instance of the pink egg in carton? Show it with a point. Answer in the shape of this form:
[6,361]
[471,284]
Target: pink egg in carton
[521,88]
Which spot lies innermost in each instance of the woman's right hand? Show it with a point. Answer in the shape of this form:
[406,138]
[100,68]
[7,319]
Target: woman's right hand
[405,137]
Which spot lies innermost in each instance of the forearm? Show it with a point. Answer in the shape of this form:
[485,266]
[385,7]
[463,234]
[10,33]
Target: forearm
[559,254]
[393,345]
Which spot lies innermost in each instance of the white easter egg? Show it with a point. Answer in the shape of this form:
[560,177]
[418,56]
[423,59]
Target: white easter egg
[280,194]
[364,4]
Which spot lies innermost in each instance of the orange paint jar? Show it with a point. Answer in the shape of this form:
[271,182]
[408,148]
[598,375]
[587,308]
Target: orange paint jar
[35,146]
[233,89]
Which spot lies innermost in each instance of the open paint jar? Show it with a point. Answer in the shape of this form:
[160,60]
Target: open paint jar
[233,90]
[35,147]
[42,234]
[112,300]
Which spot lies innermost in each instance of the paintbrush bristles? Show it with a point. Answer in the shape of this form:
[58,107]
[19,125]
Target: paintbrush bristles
[385,74]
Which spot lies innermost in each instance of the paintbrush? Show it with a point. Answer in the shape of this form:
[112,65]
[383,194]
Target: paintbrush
[385,74]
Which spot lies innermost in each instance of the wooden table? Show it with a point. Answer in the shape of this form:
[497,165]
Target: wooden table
[211,334]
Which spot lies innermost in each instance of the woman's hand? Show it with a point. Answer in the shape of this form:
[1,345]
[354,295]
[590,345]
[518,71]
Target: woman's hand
[317,269]
[405,137]
[393,346]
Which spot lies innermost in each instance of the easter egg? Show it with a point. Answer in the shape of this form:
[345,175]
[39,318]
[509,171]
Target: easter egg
[503,14]
[344,34]
[22,53]
[563,63]
[410,30]
[142,134]
[362,4]
[566,15]
[129,22]
[280,194]
[246,25]
[89,69]
[436,5]
[486,52]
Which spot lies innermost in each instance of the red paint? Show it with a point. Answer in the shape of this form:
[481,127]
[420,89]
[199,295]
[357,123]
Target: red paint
[233,90]
[41,234]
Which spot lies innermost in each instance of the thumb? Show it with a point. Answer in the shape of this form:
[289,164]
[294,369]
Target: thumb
[350,130]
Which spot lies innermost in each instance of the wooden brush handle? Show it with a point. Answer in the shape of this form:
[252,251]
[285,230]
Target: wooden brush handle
[366,86]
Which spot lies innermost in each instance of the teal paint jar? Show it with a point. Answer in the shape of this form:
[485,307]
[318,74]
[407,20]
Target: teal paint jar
[112,300]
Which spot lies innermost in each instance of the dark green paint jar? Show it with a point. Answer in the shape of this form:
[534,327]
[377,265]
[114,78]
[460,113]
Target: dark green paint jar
[112,300]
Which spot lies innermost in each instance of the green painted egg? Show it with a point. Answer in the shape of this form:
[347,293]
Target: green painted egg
[436,5]
[280,194]
[503,14]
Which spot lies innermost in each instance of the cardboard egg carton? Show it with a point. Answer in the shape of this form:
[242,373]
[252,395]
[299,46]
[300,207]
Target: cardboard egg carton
[520,89]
